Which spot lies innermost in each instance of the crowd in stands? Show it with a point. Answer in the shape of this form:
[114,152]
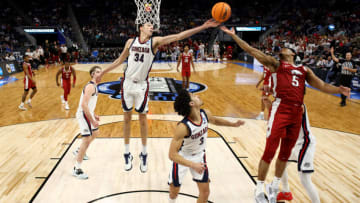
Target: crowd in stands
[106,25]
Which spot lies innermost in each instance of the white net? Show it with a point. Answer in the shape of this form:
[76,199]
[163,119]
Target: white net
[148,11]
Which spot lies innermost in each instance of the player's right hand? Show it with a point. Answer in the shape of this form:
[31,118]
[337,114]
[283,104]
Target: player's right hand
[177,69]
[199,167]
[95,124]
[57,84]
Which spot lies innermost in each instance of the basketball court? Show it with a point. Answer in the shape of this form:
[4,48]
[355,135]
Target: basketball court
[37,145]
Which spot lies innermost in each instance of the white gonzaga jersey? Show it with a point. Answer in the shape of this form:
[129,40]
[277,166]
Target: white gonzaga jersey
[140,60]
[92,101]
[195,141]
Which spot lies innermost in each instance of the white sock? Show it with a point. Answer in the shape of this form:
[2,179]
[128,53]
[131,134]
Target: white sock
[144,150]
[309,187]
[284,182]
[259,187]
[275,183]
[127,148]
[22,104]
[262,113]
[29,100]
[77,165]
[172,200]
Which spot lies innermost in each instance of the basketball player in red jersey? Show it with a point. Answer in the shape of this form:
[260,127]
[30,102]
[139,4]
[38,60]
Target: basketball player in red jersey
[66,73]
[265,102]
[186,58]
[286,114]
[29,82]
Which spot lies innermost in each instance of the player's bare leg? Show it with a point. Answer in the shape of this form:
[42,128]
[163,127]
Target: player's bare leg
[85,142]
[144,133]
[23,98]
[183,82]
[187,83]
[173,193]
[127,127]
[204,192]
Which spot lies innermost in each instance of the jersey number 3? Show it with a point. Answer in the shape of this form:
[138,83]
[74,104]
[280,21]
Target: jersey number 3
[139,58]
[201,140]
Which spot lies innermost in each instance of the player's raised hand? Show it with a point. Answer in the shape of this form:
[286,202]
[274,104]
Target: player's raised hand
[344,90]
[211,23]
[227,31]
[198,167]
[238,123]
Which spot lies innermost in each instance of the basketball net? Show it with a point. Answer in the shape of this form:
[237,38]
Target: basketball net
[148,11]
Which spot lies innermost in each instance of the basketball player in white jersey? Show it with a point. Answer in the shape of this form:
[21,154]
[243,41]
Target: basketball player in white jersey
[202,51]
[135,85]
[216,48]
[87,119]
[187,148]
[302,153]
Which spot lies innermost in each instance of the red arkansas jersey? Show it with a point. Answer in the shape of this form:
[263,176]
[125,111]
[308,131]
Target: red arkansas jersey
[29,69]
[289,83]
[185,58]
[267,75]
[66,74]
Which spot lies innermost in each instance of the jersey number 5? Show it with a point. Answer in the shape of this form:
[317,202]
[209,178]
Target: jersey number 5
[295,81]
[139,58]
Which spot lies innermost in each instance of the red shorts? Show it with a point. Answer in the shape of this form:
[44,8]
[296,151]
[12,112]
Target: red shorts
[284,124]
[186,72]
[265,93]
[66,85]
[28,84]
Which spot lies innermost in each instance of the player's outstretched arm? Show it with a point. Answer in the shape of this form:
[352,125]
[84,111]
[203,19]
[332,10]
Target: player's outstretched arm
[192,63]
[158,41]
[333,56]
[316,82]
[222,122]
[89,90]
[74,75]
[57,77]
[176,142]
[179,60]
[263,58]
[124,54]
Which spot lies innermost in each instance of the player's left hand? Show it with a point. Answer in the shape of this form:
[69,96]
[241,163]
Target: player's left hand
[344,90]
[227,31]
[238,123]
[211,23]
[73,85]
[97,118]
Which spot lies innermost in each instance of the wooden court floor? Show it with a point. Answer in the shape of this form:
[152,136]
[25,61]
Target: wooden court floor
[33,141]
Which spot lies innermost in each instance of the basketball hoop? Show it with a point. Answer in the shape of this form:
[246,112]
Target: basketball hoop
[148,11]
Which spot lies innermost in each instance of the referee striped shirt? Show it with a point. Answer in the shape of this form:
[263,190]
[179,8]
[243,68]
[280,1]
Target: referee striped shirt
[349,64]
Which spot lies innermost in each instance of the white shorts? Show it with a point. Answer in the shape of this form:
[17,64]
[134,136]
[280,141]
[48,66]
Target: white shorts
[137,93]
[178,172]
[86,128]
[304,149]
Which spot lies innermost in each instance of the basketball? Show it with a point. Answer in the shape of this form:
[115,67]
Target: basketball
[221,12]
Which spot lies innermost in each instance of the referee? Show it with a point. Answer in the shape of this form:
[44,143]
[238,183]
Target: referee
[347,70]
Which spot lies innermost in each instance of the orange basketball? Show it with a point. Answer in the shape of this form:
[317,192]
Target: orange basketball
[221,12]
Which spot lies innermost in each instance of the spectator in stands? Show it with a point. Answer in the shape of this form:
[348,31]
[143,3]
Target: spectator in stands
[320,63]
[329,65]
